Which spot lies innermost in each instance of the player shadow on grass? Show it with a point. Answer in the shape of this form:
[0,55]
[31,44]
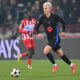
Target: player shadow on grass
[59,75]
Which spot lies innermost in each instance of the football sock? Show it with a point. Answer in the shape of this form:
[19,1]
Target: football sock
[29,62]
[50,57]
[55,64]
[71,64]
[65,59]
[24,54]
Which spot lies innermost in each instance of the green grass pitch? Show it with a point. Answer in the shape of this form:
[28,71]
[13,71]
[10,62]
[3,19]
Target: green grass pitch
[41,70]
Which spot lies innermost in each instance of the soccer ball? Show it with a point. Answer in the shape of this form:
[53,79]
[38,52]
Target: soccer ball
[15,72]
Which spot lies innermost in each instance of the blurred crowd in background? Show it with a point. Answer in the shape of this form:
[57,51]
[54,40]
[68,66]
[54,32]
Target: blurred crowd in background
[13,11]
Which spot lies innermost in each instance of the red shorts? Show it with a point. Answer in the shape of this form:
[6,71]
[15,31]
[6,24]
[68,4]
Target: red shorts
[29,43]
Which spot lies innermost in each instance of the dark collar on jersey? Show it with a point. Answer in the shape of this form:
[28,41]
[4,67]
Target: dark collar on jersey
[49,16]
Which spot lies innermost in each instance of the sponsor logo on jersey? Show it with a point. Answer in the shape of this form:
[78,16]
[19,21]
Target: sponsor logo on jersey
[29,27]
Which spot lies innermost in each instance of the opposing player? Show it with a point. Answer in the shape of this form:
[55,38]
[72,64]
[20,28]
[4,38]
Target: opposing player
[27,29]
[50,23]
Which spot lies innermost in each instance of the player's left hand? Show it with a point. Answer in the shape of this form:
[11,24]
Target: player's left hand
[63,34]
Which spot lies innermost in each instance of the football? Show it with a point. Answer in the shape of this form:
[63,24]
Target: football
[15,72]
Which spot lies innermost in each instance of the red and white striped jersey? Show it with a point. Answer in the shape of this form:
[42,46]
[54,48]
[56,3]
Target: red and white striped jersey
[27,27]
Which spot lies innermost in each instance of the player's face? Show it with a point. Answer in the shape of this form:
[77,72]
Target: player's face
[29,15]
[46,10]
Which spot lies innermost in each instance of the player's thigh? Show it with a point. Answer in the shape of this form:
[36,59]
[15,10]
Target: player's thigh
[26,43]
[47,49]
[60,52]
[33,44]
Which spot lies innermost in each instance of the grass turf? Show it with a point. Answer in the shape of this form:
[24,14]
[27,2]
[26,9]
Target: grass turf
[41,70]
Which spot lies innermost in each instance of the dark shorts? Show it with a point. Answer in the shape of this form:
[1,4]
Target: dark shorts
[54,44]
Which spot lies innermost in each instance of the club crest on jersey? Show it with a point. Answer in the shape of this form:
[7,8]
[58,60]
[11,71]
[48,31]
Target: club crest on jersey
[49,28]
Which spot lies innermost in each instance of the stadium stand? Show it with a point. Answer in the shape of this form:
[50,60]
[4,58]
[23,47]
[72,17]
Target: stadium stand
[13,11]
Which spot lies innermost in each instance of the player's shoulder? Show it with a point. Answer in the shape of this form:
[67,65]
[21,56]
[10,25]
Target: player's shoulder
[42,17]
[24,20]
[54,15]
[33,19]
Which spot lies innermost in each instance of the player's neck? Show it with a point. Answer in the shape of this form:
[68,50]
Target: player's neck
[48,15]
[29,17]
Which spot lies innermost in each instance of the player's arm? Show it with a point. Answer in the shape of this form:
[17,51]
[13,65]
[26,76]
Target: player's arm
[63,25]
[20,30]
[37,28]
[38,25]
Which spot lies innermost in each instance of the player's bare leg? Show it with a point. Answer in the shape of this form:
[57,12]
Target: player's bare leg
[47,51]
[65,59]
[31,52]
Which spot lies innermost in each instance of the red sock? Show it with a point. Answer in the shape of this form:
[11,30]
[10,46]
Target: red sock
[29,62]
[24,54]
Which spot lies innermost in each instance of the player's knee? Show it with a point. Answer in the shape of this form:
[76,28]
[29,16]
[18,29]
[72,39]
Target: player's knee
[31,52]
[60,52]
[45,51]
[30,56]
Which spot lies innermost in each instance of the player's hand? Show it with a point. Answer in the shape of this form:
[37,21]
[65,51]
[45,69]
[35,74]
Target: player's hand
[63,34]
[40,35]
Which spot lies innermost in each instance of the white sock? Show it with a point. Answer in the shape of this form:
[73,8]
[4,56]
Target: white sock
[55,64]
[29,65]
[71,64]
[20,55]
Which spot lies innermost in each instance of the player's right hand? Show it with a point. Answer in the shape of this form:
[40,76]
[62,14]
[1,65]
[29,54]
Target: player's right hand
[63,34]
[40,35]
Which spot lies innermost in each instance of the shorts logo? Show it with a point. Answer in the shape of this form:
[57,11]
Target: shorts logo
[49,28]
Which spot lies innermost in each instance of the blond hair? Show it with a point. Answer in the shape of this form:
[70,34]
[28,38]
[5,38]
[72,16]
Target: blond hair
[48,4]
